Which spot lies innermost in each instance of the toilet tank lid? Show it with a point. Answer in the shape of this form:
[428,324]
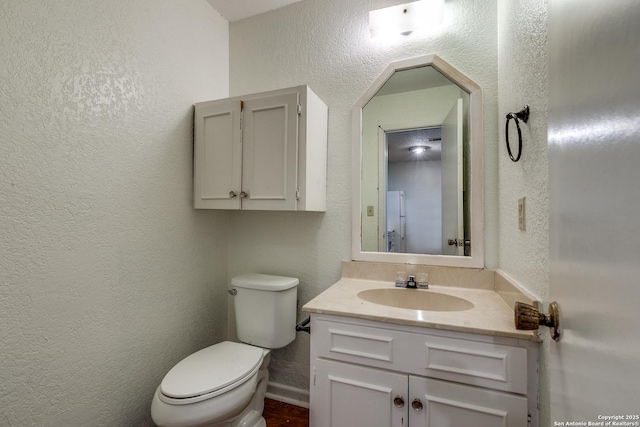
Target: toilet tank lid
[264,282]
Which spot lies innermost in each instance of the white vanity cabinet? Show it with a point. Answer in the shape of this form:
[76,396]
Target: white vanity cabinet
[367,373]
[265,151]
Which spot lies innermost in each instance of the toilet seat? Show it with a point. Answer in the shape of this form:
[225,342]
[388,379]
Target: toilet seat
[210,372]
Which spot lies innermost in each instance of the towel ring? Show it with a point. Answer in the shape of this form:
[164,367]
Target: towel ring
[520,115]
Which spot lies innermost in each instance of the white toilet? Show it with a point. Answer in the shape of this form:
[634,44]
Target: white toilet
[224,385]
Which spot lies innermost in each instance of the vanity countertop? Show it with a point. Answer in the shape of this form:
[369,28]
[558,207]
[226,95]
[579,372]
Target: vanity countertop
[490,315]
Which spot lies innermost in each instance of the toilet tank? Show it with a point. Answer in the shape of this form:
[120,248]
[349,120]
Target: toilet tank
[265,308]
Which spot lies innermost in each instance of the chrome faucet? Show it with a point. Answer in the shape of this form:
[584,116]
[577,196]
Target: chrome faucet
[411,283]
[422,283]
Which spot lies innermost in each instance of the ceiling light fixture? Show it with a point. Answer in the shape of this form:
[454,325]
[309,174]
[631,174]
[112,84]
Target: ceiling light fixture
[419,149]
[406,18]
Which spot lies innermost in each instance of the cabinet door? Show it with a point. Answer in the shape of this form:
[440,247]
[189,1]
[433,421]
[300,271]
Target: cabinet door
[435,403]
[217,155]
[270,152]
[346,395]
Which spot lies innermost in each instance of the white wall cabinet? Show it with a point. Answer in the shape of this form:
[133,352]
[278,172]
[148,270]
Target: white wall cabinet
[265,151]
[380,375]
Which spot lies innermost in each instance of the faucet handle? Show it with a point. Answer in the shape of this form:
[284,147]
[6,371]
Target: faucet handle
[401,277]
[423,280]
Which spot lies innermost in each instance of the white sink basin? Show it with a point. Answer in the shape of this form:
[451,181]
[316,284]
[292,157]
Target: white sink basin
[415,299]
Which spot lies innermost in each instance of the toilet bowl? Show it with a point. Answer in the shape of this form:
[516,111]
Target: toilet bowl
[214,387]
[224,385]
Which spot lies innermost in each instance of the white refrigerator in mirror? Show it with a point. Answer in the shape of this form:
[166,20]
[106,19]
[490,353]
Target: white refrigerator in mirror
[396,222]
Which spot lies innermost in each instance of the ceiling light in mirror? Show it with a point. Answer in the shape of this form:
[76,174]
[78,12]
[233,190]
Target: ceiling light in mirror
[419,149]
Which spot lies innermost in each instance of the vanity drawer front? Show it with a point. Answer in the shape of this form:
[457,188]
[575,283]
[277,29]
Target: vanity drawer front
[470,362]
[357,344]
[483,364]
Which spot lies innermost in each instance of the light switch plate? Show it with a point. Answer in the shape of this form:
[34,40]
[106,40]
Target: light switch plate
[521,206]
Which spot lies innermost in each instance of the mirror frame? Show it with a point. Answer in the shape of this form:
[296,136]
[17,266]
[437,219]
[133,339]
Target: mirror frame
[476,184]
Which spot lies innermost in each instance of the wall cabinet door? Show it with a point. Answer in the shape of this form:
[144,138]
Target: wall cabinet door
[350,395]
[435,403]
[270,152]
[217,155]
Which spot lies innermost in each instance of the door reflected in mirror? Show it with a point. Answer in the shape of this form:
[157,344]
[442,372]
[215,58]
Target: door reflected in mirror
[415,166]
[419,208]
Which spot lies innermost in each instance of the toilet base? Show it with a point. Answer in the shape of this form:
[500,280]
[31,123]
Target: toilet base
[250,422]
[252,416]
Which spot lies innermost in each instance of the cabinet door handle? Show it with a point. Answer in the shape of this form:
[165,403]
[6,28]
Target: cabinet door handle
[232,194]
[398,401]
[416,405]
[243,195]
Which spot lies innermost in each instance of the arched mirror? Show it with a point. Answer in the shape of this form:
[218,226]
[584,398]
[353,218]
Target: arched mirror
[417,150]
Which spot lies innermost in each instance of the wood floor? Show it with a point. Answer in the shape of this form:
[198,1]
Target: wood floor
[278,414]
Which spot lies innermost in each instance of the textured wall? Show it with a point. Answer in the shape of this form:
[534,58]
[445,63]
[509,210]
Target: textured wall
[522,71]
[107,275]
[523,75]
[326,44]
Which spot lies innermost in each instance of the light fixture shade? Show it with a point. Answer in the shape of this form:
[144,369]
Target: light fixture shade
[406,18]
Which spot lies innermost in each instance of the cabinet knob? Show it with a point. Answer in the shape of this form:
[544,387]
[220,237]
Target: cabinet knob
[416,405]
[398,401]
[232,194]
[243,195]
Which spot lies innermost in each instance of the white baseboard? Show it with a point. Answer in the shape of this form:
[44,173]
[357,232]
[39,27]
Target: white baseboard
[288,394]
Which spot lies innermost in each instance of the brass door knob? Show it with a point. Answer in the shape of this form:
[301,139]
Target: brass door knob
[529,318]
